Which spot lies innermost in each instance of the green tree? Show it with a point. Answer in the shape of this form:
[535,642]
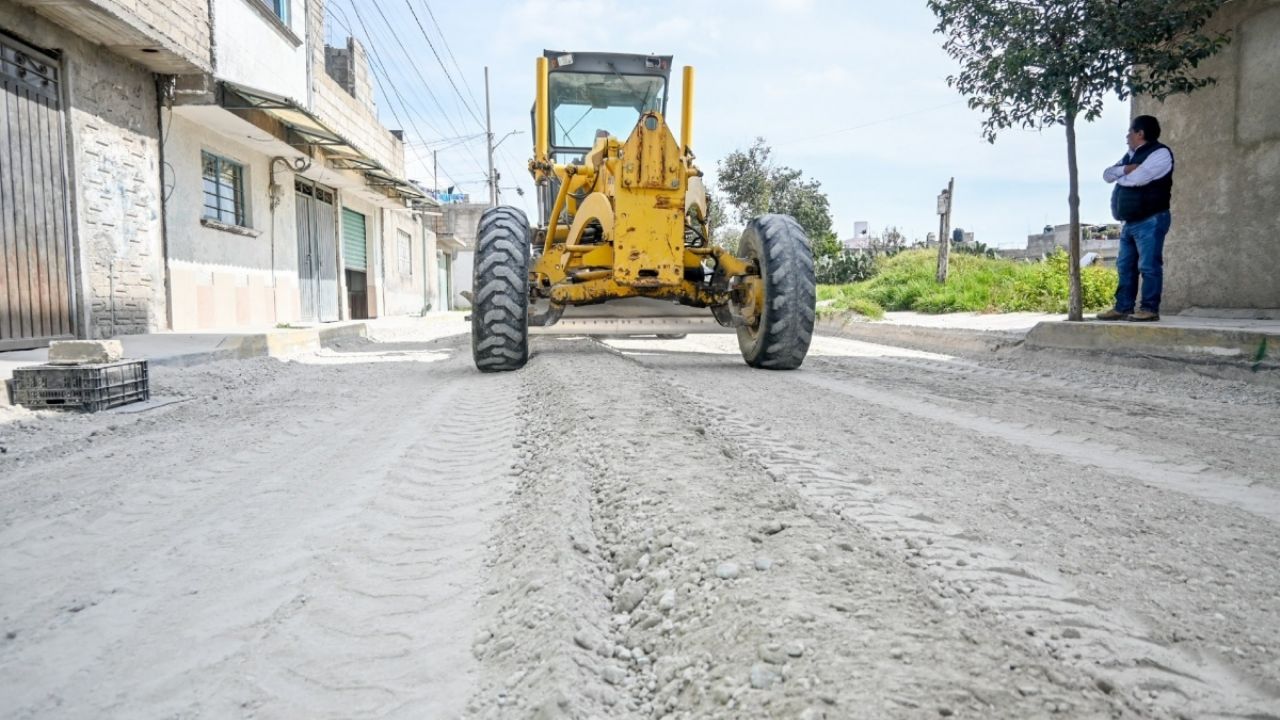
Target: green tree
[723,231]
[1052,62]
[752,185]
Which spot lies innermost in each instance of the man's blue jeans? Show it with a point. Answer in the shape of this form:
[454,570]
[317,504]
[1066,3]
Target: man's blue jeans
[1142,255]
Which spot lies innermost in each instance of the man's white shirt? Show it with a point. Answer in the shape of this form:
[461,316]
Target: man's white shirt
[1157,165]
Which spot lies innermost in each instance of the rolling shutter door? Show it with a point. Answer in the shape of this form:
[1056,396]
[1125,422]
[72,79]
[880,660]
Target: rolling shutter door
[354,252]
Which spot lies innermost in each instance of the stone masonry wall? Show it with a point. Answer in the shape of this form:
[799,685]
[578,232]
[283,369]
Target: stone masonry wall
[113,160]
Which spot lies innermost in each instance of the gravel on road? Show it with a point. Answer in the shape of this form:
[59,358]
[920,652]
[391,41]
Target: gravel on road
[640,528]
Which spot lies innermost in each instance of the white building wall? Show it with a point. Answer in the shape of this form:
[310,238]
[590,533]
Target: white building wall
[220,278]
[408,294]
[250,50]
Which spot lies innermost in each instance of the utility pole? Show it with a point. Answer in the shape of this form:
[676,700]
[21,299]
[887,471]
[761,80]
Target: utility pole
[488,135]
[944,228]
[435,172]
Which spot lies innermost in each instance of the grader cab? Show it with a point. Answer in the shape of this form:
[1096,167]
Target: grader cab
[622,244]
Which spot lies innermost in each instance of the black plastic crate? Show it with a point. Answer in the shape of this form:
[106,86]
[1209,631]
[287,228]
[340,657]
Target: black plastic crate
[81,387]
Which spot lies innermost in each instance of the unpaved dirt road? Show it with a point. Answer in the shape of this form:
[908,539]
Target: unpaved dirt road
[646,529]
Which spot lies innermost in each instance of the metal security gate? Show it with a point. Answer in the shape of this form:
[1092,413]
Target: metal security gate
[317,251]
[37,299]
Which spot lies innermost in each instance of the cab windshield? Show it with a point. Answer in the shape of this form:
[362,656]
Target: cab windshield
[584,103]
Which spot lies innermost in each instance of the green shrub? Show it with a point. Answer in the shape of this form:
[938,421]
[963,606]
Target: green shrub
[975,283]
[845,266]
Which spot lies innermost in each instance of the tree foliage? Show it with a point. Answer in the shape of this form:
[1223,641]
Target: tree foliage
[1050,62]
[1038,64]
[752,185]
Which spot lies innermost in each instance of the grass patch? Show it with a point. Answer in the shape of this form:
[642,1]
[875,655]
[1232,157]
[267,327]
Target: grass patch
[974,284]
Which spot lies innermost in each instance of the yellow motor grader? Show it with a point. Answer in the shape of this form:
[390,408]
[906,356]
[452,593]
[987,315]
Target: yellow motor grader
[622,245]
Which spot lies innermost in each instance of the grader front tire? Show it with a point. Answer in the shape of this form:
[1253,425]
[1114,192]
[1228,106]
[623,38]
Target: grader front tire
[500,308]
[779,337]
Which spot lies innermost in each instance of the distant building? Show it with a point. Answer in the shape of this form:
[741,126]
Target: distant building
[1100,239]
[857,242]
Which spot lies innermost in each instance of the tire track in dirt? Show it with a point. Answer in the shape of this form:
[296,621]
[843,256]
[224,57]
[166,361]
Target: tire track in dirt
[313,553]
[1078,631]
[616,598]
[395,602]
[1228,437]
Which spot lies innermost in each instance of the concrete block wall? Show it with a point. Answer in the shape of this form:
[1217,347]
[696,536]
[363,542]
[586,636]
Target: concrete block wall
[349,67]
[170,37]
[114,174]
[350,116]
[356,122]
[1221,251]
[181,25]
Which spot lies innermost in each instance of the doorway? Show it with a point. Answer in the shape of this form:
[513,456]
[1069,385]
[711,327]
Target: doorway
[317,251]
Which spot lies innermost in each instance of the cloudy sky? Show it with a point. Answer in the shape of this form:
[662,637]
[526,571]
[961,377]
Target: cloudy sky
[852,93]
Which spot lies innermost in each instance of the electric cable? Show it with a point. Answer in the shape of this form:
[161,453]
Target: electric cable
[440,62]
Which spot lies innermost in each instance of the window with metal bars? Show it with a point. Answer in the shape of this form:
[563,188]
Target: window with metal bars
[223,190]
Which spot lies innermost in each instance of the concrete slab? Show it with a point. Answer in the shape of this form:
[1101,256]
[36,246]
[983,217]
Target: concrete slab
[84,352]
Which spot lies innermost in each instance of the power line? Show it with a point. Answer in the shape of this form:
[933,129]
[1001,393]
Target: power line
[445,38]
[426,85]
[395,94]
[440,62]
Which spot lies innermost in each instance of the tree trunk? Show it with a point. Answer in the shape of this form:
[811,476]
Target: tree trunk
[1075,309]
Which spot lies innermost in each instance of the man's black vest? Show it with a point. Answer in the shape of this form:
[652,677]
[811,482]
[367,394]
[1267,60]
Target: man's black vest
[1133,204]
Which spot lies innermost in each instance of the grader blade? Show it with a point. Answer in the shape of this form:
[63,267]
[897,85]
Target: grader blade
[633,316]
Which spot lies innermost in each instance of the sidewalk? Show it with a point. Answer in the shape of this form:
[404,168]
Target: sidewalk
[186,349]
[1231,344]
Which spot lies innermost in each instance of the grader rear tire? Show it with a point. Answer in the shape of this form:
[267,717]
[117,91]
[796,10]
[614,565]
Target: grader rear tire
[500,308]
[783,328]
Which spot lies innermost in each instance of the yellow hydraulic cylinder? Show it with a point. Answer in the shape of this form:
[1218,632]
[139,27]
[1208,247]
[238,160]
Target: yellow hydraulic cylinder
[541,112]
[686,112]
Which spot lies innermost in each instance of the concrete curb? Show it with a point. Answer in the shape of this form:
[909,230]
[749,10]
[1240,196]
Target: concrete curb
[1235,354]
[1249,350]
[276,344]
[950,341]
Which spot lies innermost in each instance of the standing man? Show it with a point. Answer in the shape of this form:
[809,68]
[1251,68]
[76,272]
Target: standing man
[1144,183]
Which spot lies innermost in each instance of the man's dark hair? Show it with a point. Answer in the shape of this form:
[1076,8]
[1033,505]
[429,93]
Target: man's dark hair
[1148,126]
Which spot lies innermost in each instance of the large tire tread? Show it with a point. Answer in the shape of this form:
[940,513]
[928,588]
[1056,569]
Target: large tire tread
[791,292]
[500,309]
